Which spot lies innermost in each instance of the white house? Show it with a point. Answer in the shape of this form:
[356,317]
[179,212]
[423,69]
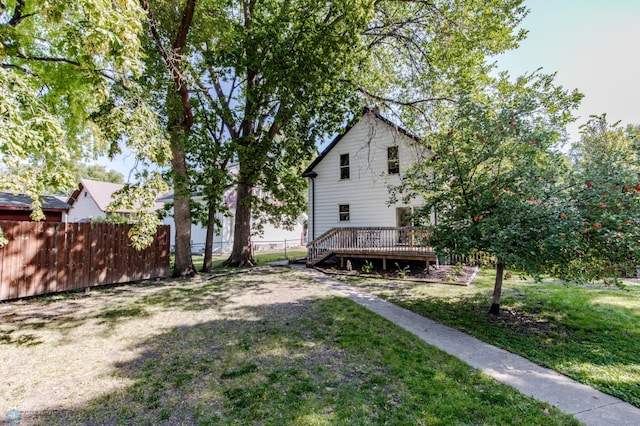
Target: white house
[91,199]
[271,237]
[349,181]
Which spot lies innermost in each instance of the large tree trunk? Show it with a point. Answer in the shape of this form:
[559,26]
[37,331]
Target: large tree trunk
[180,121]
[497,290]
[207,263]
[181,211]
[241,253]
[249,167]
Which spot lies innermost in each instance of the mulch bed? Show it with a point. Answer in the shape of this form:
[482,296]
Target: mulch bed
[405,270]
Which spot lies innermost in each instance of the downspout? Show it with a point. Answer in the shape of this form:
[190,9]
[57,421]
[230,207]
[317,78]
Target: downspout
[313,208]
[312,175]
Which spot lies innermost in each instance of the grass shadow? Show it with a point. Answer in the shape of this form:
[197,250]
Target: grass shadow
[316,361]
[26,322]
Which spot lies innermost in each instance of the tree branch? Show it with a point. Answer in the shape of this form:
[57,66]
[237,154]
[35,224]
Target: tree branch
[210,128]
[17,13]
[24,70]
[275,126]
[104,72]
[153,27]
[187,18]
[47,59]
[228,122]
[174,58]
[393,101]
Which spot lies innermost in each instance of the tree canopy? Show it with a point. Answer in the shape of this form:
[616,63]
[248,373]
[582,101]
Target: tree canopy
[60,64]
[198,85]
[100,173]
[57,63]
[605,199]
[499,184]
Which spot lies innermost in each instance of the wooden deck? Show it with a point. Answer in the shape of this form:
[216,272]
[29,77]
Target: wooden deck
[372,243]
[385,254]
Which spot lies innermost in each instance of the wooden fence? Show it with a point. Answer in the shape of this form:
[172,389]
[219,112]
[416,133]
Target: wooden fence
[479,259]
[49,257]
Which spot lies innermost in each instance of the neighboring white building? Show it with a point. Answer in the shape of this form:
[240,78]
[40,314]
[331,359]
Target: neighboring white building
[349,181]
[91,199]
[270,238]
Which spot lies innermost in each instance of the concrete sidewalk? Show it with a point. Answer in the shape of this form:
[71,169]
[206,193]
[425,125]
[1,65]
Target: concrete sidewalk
[586,404]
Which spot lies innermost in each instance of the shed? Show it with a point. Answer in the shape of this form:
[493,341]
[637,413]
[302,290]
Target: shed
[18,207]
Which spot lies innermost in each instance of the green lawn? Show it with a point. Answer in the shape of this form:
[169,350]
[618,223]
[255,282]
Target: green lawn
[590,333]
[242,350]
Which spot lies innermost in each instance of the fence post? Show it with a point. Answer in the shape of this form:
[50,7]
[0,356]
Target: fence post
[285,249]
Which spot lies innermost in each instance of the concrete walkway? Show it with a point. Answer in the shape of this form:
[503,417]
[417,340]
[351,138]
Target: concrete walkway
[586,404]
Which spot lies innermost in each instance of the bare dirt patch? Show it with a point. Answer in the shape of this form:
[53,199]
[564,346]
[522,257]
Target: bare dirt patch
[62,351]
[410,271]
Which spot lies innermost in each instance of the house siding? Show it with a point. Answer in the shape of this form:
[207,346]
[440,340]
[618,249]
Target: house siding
[199,234]
[84,209]
[271,237]
[366,191]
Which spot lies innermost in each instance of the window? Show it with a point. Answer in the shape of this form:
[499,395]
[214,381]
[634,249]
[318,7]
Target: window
[344,212]
[393,162]
[344,166]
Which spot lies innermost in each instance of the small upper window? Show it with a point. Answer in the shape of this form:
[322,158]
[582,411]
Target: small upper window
[344,166]
[344,212]
[393,162]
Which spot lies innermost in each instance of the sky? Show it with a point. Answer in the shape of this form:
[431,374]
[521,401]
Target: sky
[592,45]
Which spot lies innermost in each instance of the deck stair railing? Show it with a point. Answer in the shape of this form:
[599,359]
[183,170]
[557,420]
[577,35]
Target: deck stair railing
[368,240]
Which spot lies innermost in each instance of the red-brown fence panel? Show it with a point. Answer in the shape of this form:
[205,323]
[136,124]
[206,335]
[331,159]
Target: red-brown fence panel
[49,257]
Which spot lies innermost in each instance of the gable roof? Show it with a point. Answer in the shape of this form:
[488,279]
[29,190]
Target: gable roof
[100,192]
[309,171]
[9,201]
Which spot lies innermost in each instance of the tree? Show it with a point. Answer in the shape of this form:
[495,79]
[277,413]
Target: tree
[605,199]
[208,158]
[56,65]
[495,181]
[292,62]
[59,62]
[99,173]
[167,45]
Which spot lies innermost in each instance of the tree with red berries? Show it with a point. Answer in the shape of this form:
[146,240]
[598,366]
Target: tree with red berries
[499,185]
[605,200]
[497,182]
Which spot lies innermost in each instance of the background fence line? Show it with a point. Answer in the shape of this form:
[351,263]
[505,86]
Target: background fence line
[479,259]
[49,257]
[224,247]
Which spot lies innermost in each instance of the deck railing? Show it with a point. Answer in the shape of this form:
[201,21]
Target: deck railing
[369,240]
